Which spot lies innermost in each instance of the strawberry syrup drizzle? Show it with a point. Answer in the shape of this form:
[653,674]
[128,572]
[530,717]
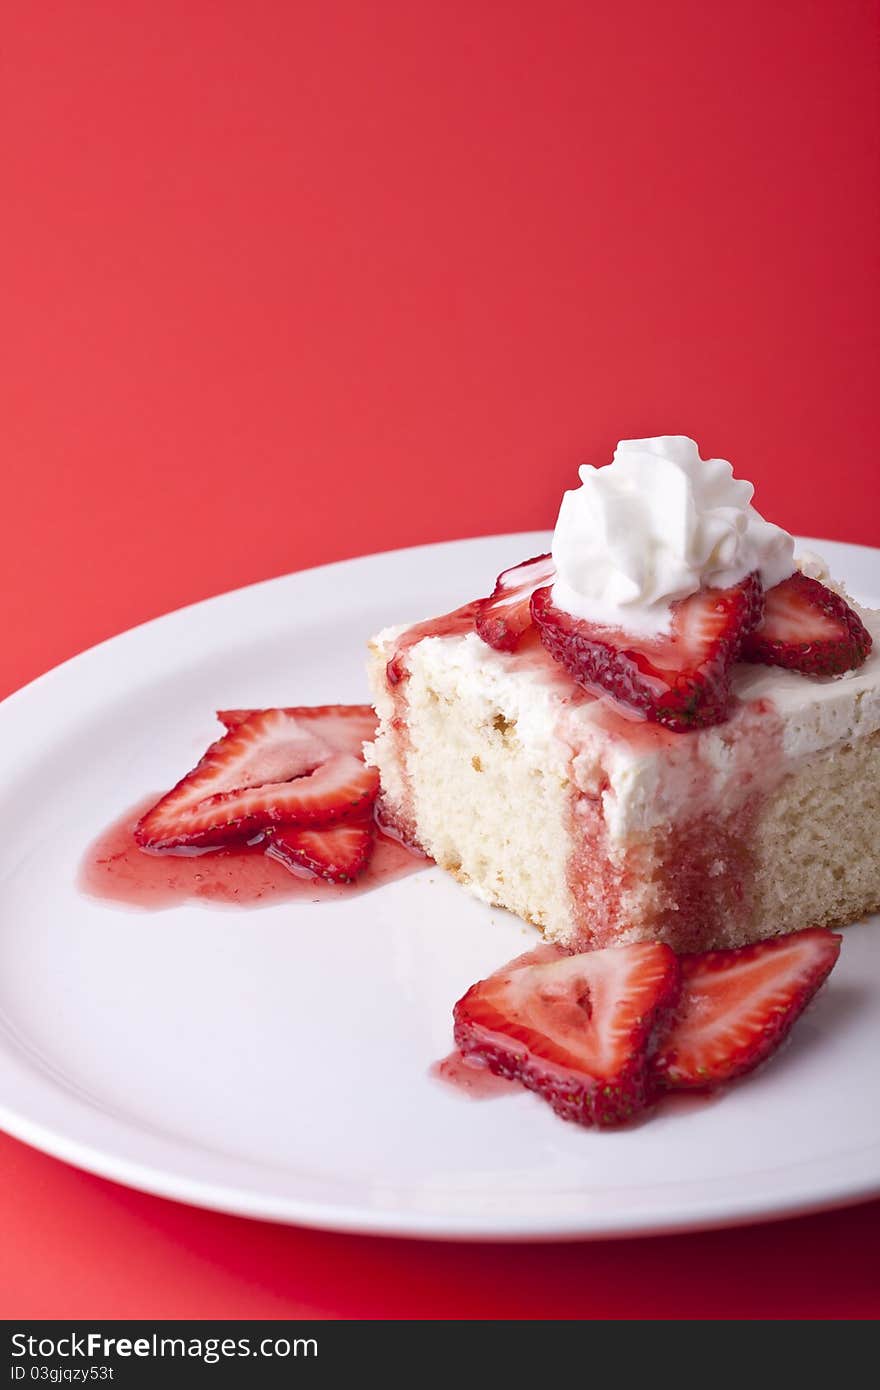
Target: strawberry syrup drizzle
[703,882]
[399,821]
[471,1078]
[115,868]
[398,828]
[470,1075]
[475,1081]
[453,624]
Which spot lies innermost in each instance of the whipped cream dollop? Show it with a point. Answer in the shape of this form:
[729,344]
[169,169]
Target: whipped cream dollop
[659,523]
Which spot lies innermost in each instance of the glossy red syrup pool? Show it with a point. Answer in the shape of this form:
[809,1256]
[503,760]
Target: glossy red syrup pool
[471,1077]
[476,1082]
[115,868]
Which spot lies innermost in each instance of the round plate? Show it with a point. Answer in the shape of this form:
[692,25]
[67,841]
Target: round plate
[274,1062]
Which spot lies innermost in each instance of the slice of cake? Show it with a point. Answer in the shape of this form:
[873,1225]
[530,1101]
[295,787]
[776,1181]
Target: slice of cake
[611,746]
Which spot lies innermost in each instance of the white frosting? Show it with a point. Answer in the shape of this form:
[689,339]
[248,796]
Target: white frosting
[648,789]
[659,523]
[644,786]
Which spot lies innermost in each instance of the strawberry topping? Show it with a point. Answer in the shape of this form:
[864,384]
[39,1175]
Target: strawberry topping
[453,624]
[338,853]
[680,679]
[737,1006]
[502,618]
[577,1029]
[273,768]
[344,728]
[807,627]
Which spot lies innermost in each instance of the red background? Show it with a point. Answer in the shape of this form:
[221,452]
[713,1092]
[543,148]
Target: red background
[287,282]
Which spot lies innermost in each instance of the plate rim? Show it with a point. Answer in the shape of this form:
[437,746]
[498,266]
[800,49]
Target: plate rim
[730,1208]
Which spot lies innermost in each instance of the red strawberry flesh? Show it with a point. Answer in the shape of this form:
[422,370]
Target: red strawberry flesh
[807,627]
[270,746]
[343,728]
[577,1029]
[337,789]
[737,1006]
[338,853]
[502,618]
[681,679]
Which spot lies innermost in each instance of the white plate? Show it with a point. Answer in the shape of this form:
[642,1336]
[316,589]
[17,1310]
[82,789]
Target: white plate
[274,1062]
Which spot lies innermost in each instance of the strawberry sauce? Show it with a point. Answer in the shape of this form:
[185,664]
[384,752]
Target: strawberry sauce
[470,1077]
[453,624]
[691,882]
[401,819]
[115,868]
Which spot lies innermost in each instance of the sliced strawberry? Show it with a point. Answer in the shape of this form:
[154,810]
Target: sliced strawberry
[270,746]
[452,624]
[344,728]
[231,718]
[680,679]
[577,1029]
[335,852]
[502,618]
[737,1006]
[807,627]
[340,787]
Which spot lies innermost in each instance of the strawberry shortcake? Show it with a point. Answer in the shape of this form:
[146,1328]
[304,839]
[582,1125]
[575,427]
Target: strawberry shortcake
[665,730]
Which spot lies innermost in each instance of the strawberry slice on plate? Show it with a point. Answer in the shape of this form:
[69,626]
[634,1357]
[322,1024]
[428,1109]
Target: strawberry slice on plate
[502,618]
[737,1006]
[680,679]
[344,728]
[343,786]
[807,627]
[271,746]
[269,770]
[578,1029]
[338,853]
